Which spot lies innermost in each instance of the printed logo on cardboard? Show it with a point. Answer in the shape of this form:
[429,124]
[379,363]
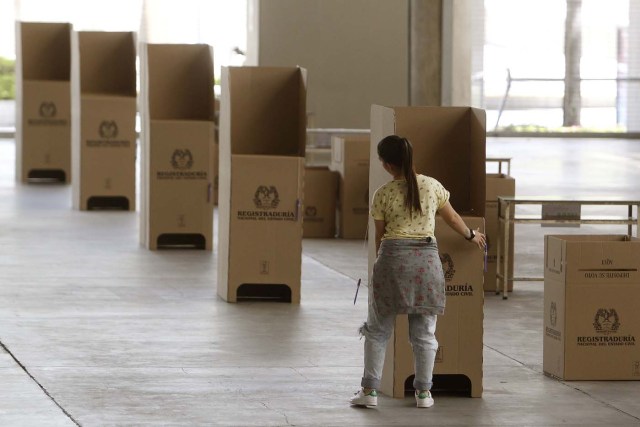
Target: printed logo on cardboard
[606,324]
[606,321]
[47,112]
[266,197]
[108,129]
[181,161]
[311,214]
[108,132]
[266,200]
[447,266]
[550,332]
[453,290]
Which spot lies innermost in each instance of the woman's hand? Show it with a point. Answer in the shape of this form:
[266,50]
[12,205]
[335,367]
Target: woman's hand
[479,239]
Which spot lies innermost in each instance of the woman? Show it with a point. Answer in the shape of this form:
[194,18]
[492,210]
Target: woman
[407,274]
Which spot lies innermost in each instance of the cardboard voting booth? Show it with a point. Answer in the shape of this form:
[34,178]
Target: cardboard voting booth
[103,133]
[448,145]
[177,146]
[43,102]
[262,148]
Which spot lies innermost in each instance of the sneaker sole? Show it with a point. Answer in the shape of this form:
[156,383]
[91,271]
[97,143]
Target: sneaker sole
[424,405]
[364,405]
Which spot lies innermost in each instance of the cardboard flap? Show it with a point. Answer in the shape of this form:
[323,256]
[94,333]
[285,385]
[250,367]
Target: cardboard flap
[45,50]
[449,145]
[267,110]
[179,81]
[107,62]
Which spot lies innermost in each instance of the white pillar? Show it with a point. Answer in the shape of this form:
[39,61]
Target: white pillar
[633,91]
[456,52]
[477,52]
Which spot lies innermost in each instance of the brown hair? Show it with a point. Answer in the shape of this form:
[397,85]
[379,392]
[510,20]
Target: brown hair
[398,151]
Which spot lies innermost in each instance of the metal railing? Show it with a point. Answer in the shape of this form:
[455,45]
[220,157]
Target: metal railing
[511,80]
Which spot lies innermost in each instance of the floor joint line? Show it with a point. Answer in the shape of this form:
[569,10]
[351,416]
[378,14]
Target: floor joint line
[24,368]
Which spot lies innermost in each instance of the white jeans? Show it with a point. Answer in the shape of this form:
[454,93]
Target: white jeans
[377,330]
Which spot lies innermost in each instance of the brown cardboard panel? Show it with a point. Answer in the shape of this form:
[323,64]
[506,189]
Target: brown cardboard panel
[350,158]
[592,292]
[105,152]
[463,265]
[107,62]
[460,330]
[179,81]
[265,223]
[44,50]
[602,332]
[44,141]
[273,100]
[497,185]
[180,181]
[449,145]
[320,199]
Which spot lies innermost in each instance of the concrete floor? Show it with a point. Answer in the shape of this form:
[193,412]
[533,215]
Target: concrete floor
[96,330]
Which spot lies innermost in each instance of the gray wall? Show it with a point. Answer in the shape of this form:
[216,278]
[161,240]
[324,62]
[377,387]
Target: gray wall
[356,52]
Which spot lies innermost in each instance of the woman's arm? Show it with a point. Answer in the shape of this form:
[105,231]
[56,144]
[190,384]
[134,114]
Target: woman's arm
[380,226]
[454,221]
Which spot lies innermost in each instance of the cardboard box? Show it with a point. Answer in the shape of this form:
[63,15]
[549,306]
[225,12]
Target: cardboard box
[320,199]
[497,185]
[434,132]
[262,145]
[591,299]
[459,331]
[43,101]
[350,158]
[177,146]
[103,133]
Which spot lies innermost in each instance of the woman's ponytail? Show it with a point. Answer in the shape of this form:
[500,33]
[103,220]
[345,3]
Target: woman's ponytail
[398,151]
[412,199]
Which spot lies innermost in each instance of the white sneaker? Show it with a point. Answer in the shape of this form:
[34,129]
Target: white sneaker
[361,399]
[424,399]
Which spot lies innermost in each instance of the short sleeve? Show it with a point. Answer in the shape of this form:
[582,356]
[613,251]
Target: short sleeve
[378,205]
[442,194]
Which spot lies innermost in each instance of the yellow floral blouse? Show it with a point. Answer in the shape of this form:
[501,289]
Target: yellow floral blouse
[388,205]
